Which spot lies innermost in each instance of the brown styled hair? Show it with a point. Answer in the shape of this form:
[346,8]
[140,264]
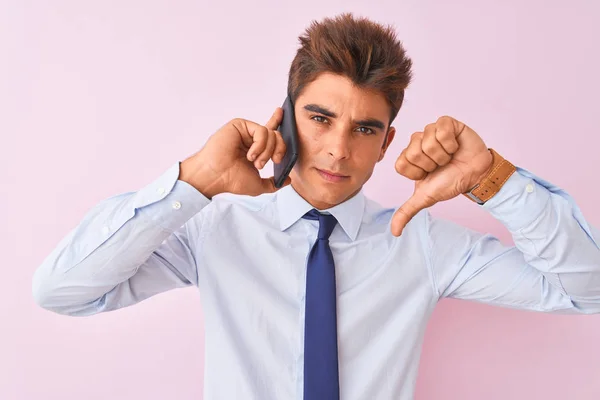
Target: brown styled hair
[366,52]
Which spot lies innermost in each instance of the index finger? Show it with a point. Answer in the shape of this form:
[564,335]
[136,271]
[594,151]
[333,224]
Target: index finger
[275,120]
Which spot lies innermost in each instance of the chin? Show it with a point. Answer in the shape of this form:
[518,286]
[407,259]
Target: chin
[314,188]
[330,194]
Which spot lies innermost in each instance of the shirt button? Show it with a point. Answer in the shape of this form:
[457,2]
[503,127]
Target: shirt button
[105,230]
[161,191]
[176,205]
[529,188]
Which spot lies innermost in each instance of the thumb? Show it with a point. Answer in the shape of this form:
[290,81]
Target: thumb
[406,212]
[268,184]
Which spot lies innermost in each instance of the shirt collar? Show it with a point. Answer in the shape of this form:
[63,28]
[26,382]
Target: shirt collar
[291,207]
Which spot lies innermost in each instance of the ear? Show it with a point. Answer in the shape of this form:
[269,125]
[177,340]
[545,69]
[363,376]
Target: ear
[387,141]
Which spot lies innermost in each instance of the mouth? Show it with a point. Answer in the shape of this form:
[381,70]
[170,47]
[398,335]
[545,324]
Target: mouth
[331,176]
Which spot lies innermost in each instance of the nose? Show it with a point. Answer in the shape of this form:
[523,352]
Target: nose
[338,145]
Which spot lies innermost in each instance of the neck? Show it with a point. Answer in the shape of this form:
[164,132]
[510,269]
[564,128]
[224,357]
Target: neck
[318,203]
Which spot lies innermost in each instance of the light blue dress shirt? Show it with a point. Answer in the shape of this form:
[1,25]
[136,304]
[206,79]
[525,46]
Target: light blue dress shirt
[247,255]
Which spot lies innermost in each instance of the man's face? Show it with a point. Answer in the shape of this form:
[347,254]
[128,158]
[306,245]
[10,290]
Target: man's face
[342,130]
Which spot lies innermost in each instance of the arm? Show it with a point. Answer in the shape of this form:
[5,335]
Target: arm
[554,265]
[126,249]
[135,245]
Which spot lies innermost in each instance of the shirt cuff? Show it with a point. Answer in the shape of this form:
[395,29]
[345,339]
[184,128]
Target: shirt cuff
[168,201]
[520,201]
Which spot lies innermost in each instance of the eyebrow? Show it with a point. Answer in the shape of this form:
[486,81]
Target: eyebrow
[369,122]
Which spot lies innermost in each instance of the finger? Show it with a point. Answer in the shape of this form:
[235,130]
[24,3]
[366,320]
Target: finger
[268,184]
[406,212]
[433,148]
[275,119]
[245,129]
[263,157]
[416,156]
[412,162]
[446,133]
[408,169]
[260,137]
[280,148]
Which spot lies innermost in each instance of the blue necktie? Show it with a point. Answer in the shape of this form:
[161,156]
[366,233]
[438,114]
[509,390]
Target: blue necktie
[321,380]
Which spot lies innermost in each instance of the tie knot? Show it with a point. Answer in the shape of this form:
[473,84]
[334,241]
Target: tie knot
[326,223]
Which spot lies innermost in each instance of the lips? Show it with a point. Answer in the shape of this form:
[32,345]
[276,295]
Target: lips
[332,176]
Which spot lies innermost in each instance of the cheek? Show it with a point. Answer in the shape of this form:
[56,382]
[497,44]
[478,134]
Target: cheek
[308,136]
[364,161]
[367,154]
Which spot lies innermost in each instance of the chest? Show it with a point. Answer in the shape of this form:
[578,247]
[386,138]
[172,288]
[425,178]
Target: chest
[268,266]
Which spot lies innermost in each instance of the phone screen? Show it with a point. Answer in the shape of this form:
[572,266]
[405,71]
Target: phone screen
[288,131]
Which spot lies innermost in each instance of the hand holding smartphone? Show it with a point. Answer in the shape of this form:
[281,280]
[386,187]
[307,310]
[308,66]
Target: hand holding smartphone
[289,132]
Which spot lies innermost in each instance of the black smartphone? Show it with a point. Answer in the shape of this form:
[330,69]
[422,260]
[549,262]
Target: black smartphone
[288,131]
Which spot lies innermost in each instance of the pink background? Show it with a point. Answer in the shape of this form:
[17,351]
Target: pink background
[98,98]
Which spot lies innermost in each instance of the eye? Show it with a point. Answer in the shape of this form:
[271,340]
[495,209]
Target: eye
[365,130]
[319,118]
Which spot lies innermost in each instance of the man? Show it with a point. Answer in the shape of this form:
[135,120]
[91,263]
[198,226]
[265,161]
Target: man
[315,291]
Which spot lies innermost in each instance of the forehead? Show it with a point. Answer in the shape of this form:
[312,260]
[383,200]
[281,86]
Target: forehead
[340,95]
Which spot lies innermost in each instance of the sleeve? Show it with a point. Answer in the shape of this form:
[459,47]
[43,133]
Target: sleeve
[553,266]
[127,248]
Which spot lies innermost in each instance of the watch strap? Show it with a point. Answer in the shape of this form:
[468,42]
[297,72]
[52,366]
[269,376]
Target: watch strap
[500,171]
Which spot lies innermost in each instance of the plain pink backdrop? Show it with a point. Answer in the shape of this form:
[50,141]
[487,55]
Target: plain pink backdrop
[98,98]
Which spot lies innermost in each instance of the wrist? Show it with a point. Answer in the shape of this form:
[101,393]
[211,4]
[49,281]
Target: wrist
[198,174]
[492,181]
[485,174]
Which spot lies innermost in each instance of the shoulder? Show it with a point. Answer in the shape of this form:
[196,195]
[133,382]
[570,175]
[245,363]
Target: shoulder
[377,214]
[244,202]
[235,211]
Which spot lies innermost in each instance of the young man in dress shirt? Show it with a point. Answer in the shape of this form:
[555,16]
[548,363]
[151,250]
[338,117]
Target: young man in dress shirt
[214,223]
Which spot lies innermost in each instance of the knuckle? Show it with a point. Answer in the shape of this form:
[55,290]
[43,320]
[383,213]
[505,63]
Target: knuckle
[429,146]
[430,127]
[238,122]
[442,134]
[413,154]
[398,167]
[413,174]
[442,159]
[399,164]
[430,168]
[273,135]
[271,143]
[261,134]
[265,155]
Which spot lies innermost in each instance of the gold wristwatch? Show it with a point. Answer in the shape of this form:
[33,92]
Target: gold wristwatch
[501,170]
